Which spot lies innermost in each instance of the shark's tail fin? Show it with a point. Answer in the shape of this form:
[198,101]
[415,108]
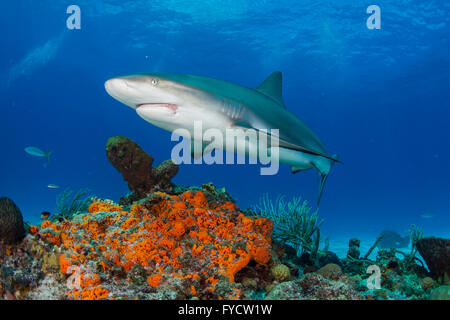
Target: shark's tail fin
[324,178]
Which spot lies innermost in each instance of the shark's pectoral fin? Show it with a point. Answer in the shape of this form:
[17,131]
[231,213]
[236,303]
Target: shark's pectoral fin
[295,169]
[272,87]
[292,146]
[284,143]
[199,149]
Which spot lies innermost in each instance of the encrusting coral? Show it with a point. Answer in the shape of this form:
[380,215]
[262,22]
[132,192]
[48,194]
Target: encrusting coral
[181,243]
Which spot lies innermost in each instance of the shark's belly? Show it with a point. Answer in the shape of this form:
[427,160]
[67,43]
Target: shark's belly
[296,159]
[244,143]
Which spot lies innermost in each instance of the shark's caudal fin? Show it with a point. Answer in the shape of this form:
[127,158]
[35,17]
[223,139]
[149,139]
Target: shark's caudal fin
[322,183]
[323,179]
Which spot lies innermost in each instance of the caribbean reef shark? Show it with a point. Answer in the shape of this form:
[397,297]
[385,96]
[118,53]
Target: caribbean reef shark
[173,101]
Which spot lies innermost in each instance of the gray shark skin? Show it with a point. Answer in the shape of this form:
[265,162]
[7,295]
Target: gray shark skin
[173,101]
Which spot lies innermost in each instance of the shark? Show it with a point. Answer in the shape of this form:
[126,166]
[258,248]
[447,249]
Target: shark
[172,101]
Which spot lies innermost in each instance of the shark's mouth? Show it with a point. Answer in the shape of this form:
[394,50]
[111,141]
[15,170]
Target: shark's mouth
[170,106]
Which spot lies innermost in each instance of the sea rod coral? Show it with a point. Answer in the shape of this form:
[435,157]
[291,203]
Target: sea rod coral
[69,203]
[294,222]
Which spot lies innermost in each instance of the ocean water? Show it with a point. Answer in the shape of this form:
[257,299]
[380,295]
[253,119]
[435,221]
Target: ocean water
[378,98]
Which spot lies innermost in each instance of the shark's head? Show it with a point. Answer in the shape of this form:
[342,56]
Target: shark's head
[165,103]
[139,90]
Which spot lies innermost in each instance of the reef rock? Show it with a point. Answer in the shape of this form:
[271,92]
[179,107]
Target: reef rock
[11,222]
[136,168]
[436,253]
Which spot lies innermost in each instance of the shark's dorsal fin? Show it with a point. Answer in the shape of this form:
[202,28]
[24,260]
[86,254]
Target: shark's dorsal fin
[272,87]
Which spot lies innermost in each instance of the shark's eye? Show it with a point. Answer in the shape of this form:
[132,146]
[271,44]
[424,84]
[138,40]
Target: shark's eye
[155,82]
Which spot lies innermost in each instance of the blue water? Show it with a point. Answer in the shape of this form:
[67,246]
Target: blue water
[378,98]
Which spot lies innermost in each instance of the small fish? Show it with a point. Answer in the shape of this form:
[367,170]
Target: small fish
[45,215]
[53,186]
[38,152]
[427,215]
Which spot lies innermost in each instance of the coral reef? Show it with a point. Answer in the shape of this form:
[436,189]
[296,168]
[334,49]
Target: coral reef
[436,253]
[11,222]
[191,245]
[165,241]
[196,244]
[136,168]
[169,246]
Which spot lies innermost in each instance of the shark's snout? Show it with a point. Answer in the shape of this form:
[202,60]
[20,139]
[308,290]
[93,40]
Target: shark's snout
[124,90]
[113,84]
[118,86]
